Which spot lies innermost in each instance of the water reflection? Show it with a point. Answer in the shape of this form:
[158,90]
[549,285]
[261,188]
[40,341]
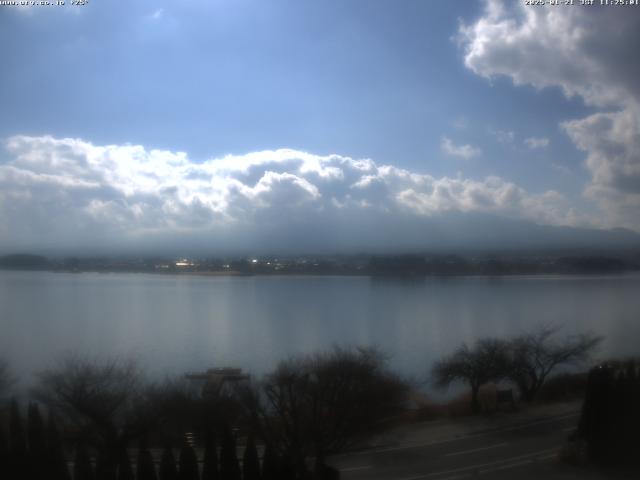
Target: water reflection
[178,323]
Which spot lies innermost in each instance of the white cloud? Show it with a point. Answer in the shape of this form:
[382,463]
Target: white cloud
[157,14]
[586,52]
[461,151]
[612,143]
[503,136]
[555,47]
[60,191]
[536,142]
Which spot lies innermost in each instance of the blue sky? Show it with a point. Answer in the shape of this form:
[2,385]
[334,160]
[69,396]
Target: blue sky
[404,84]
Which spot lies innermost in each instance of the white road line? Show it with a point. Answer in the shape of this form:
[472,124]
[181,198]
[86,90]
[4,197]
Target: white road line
[476,449]
[353,469]
[497,463]
[516,464]
[501,467]
[449,440]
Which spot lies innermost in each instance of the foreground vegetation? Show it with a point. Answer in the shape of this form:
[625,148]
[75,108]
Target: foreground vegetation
[526,361]
[608,429]
[105,421]
[307,408]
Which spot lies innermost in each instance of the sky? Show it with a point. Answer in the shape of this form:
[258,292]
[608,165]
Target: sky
[249,124]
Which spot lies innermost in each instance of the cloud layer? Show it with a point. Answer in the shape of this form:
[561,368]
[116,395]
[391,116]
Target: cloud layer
[589,52]
[461,151]
[66,192]
[536,142]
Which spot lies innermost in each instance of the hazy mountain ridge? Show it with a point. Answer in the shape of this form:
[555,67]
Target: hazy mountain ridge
[456,244]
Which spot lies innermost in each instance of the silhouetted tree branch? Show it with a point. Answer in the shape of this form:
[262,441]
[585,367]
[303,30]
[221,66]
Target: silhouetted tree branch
[533,356]
[107,401]
[486,361]
[321,404]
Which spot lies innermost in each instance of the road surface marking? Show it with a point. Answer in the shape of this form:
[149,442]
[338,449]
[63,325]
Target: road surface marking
[353,469]
[476,449]
[496,463]
[472,435]
[516,464]
[498,468]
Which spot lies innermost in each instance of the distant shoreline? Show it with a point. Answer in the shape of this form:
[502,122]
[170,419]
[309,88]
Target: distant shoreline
[401,266]
[330,274]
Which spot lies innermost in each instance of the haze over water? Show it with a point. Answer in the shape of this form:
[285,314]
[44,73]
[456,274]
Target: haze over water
[177,323]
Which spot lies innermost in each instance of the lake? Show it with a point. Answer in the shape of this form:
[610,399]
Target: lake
[176,323]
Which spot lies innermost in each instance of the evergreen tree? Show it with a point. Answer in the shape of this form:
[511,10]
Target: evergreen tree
[229,468]
[37,443]
[595,418]
[210,464]
[188,463]
[286,470]
[250,461]
[270,464]
[630,426]
[82,468]
[635,409]
[106,466]
[18,454]
[125,472]
[168,469]
[4,450]
[635,414]
[56,460]
[610,416]
[145,467]
[620,416]
[628,423]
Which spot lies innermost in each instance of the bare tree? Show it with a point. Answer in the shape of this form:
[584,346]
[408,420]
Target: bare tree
[534,355]
[316,405]
[178,408]
[105,401]
[486,361]
[87,390]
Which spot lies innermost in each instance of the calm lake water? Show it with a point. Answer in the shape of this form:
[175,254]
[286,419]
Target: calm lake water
[177,323]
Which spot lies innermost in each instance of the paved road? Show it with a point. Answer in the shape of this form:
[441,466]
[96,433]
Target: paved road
[523,450]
